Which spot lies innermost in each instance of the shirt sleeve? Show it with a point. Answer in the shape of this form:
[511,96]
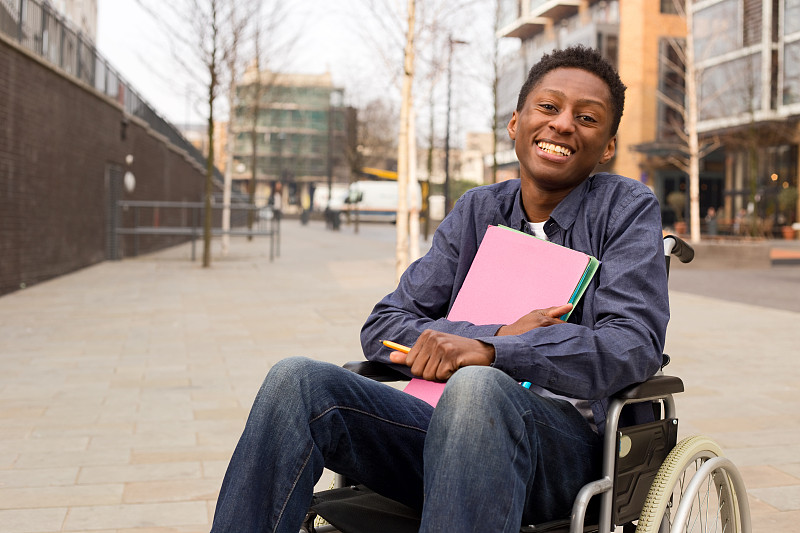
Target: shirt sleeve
[425,292]
[618,335]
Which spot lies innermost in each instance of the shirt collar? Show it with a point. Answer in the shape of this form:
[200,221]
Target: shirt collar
[564,214]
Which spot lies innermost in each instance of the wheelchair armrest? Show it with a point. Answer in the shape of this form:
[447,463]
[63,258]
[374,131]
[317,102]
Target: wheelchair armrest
[655,387]
[376,371]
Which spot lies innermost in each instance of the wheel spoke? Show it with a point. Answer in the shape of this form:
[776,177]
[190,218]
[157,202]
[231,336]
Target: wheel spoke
[707,505]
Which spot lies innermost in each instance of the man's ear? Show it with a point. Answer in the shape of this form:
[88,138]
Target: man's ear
[512,126]
[611,149]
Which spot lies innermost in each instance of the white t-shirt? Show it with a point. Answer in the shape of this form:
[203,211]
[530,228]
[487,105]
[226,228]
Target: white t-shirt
[585,408]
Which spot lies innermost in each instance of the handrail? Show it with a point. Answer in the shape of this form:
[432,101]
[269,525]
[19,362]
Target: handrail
[195,228]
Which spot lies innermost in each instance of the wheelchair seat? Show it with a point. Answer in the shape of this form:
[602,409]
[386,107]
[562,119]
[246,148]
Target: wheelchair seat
[647,477]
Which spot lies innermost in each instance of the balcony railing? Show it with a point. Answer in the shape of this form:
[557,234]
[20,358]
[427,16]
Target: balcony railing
[36,27]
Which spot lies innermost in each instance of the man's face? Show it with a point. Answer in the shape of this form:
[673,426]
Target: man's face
[564,129]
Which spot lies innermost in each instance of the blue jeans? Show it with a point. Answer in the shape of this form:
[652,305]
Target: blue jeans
[491,456]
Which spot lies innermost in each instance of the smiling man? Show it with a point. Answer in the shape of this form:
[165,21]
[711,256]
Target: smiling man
[492,455]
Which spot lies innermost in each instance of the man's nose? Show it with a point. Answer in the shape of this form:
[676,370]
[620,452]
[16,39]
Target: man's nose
[563,122]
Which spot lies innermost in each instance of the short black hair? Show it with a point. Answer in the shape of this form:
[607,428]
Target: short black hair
[584,58]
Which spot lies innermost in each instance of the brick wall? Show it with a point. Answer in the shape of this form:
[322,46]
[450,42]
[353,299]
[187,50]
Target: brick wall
[58,140]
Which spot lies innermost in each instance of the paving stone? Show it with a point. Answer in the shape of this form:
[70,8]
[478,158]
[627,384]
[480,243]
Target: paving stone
[32,520]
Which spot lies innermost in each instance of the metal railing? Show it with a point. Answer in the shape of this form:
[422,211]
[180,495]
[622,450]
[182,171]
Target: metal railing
[38,28]
[138,218]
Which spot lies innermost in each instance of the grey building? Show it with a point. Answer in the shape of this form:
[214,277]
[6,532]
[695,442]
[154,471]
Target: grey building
[302,135]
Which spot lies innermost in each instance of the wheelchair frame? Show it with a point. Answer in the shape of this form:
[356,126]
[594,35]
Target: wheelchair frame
[645,491]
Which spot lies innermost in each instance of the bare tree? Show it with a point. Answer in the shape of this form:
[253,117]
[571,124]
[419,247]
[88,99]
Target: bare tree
[202,39]
[495,88]
[405,138]
[210,16]
[238,27]
[690,148]
[270,44]
[209,39]
[431,20]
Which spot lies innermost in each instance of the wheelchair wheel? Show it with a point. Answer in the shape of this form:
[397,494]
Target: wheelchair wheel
[690,497]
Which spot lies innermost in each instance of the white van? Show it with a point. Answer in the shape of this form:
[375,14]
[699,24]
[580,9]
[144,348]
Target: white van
[320,199]
[376,201]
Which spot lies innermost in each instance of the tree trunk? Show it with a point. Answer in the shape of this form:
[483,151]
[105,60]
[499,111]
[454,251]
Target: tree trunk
[256,93]
[212,86]
[228,178]
[691,129]
[401,250]
[413,185]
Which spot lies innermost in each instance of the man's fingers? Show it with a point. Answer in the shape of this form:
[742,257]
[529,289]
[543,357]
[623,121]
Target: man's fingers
[557,310]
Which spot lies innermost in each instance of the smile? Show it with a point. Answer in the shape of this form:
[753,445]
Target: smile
[554,149]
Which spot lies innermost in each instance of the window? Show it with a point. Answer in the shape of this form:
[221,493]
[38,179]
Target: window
[717,30]
[751,30]
[791,17]
[671,86]
[791,73]
[608,45]
[721,99]
[508,12]
[669,6]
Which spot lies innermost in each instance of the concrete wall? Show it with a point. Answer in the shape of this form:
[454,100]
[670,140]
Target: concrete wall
[60,144]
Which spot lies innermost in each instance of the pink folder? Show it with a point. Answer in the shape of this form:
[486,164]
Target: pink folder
[512,274]
[427,391]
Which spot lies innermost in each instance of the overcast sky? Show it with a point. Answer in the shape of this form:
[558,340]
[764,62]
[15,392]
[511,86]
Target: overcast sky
[333,39]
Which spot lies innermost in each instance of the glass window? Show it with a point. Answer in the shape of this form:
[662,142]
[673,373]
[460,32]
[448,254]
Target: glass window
[508,12]
[751,30]
[719,98]
[791,73]
[791,16]
[672,86]
[718,30]
[669,7]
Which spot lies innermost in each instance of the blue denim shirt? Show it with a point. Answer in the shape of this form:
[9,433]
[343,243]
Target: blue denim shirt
[615,335]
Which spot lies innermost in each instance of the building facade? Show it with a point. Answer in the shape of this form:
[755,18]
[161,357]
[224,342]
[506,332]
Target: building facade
[747,55]
[302,135]
[82,14]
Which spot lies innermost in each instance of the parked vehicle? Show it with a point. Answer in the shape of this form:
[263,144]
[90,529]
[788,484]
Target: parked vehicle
[376,201]
[320,198]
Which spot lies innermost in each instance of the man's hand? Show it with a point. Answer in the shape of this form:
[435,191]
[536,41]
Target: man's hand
[436,355]
[535,319]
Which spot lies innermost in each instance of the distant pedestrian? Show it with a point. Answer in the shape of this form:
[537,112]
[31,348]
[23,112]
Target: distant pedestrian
[738,222]
[711,221]
[277,201]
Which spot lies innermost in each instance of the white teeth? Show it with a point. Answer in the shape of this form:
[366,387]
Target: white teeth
[551,148]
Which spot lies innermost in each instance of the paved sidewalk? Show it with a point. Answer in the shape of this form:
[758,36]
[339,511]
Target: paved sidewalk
[124,387]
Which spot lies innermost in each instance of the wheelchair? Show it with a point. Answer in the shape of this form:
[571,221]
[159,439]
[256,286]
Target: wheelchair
[650,482]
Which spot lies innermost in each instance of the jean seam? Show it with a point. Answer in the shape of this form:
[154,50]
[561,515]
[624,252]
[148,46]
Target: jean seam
[365,413]
[560,431]
[294,484]
[516,449]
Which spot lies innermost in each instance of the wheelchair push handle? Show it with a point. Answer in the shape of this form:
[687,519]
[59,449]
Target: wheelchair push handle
[674,245]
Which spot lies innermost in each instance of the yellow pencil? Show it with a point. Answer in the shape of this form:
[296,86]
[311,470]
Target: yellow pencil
[395,346]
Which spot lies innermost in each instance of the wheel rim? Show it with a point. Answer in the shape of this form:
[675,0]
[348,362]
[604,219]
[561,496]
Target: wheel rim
[704,497]
[712,508]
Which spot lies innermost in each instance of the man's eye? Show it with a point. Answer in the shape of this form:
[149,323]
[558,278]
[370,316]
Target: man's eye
[587,118]
[548,107]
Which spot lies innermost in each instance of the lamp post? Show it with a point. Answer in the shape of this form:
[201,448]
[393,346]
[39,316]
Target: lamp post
[447,199]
